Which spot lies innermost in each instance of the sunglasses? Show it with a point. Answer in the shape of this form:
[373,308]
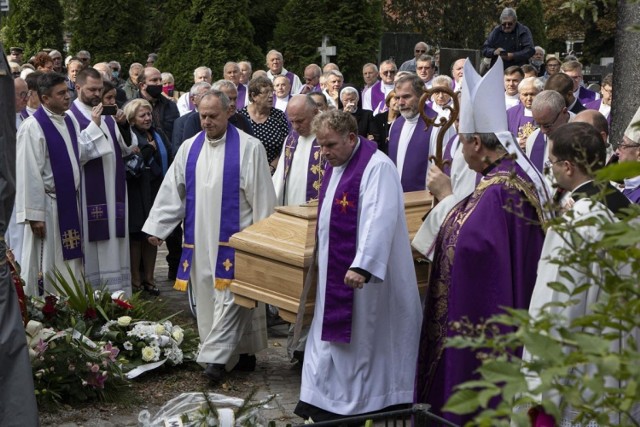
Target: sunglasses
[389,73]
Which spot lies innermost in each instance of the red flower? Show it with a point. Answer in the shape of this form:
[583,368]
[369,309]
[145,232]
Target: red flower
[49,309]
[123,304]
[90,314]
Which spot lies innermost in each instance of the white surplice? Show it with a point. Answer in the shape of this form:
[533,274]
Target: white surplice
[377,368]
[463,182]
[223,326]
[556,242]
[36,198]
[106,262]
[296,185]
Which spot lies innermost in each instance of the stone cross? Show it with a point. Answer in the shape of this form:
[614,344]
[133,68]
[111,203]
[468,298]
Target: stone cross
[326,51]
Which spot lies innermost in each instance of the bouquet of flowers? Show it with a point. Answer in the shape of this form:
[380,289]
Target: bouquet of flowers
[146,345]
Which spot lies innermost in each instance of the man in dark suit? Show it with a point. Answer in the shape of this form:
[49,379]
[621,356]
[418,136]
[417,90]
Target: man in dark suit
[188,125]
[563,84]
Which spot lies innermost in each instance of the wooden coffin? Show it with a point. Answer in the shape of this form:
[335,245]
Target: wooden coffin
[273,256]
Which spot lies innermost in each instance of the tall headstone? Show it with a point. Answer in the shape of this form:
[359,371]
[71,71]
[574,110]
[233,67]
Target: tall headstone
[626,79]
[449,56]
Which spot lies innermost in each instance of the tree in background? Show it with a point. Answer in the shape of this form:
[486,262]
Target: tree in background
[206,33]
[353,26]
[452,24]
[531,14]
[34,25]
[112,30]
[264,16]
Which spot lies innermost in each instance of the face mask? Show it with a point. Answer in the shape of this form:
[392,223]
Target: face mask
[154,91]
[168,90]
[115,74]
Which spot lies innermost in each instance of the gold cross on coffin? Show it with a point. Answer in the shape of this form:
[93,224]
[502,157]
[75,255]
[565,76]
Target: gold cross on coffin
[71,239]
[185,265]
[227,264]
[97,212]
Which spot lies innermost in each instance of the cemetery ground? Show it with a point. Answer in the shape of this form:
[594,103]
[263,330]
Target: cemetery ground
[274,375]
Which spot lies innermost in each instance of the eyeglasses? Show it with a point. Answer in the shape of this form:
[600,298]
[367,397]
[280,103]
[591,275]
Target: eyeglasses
[605,90]
[549,163]
[507,24]
[25,94]
[548,126]
[553,65]
[421,51]
[84,59]
[625,145]
[388,72]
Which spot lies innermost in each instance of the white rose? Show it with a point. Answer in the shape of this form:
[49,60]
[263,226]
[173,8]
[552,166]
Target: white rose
[124,321]
[160,329]
[178,335]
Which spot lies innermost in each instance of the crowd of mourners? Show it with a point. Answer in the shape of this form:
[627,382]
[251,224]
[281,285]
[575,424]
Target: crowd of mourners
[131,140]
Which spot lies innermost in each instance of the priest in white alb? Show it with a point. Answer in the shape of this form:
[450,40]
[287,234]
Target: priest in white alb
[104,192]
[219,183]
[50,153]
[362,346]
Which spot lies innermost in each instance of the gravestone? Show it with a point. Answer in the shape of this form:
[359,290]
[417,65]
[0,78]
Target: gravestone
[449,56]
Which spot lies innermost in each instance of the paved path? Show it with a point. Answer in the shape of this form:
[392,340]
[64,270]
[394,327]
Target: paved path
[274,373]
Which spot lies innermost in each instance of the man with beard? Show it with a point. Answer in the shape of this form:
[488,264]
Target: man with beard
[104,202]
[409,141]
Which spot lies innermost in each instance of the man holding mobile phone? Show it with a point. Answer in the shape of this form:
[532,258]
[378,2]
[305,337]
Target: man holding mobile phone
[511,41]
[104,201]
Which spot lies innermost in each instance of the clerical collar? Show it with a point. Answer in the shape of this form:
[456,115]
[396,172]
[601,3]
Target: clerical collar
[217,141]
[577,189]
[413,119]
[492,165]
[54,115]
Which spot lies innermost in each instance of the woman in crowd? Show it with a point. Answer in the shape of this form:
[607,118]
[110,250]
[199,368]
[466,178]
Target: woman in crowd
[269,124]
[43,62]
[385,119]
[143,184]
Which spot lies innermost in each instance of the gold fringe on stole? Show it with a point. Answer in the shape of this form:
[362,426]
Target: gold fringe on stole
[180,285]
[222,284]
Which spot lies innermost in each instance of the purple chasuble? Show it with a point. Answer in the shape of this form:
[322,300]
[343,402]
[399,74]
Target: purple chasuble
[61,166]
[95,193]
[486,256]
[519,124]
[229,222]
[537,152]
[416,161]
[315,166]
[242,95]
[343,243]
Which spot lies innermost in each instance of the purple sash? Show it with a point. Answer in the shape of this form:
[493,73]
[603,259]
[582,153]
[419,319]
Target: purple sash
[519,124]
[24,114]
[315,168]
[416,161]
[95,193]
[61,166]
[447,155]
[537,152]
[343,243]
[377,95]
[290,76]
[229,222]
[242,95]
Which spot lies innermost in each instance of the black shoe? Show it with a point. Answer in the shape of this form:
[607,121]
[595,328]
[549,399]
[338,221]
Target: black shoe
[150,289]
[173,273]
[298,356]
[215,372]
[247,363]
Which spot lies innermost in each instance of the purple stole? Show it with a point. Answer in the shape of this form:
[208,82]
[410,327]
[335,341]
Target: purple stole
[519,124]
[290,76]
[95,193]
[595,105]
[229,222]
[24,114]
[242,95]
[315,168]
[632,194]
[447,155]
[585,95]
[377,95]
[537,152]
[68,218]
[343,243]
[416,162]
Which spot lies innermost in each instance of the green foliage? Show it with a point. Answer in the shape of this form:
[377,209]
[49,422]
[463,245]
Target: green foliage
[264,16]
[207,33]
[34,25]
[353,26]
[586,361]
[109,30]
[530,13]
[452,24]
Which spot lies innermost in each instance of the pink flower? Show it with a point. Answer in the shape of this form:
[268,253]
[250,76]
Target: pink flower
[42,346]
[111,351]
[97,379]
